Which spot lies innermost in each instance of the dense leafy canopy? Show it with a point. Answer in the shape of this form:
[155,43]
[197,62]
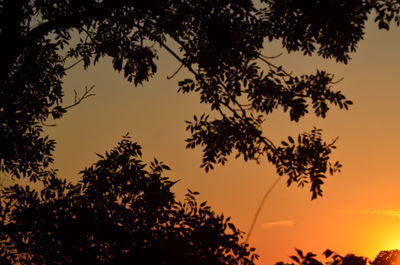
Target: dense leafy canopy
[219,42]
[385,257]
[121,212]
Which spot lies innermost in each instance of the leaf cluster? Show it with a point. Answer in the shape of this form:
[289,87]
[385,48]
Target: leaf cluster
[121,211]
[219,42]
[332,258]
[385,257]
[329,28]
[386,12]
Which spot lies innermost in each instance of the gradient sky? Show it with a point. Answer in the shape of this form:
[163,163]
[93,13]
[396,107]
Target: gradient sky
[360,210]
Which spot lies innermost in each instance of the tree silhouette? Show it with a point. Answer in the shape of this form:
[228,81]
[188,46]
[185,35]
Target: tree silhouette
[219,42]
[120,212]
[352,259]
[387,257]
[333,259]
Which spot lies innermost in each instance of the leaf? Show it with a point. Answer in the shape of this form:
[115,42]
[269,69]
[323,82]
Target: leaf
[327,253]
[232,226]
[299,253]
[295,258]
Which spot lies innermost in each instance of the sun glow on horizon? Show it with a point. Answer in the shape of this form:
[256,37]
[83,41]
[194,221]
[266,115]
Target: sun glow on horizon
[387,241]
[390,238]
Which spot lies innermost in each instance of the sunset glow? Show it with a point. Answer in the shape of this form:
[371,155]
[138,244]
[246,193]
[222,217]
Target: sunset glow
[360,210]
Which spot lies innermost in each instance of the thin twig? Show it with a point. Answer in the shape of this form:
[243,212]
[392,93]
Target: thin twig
[48,125]
[188,66]
[72,65]
[338,81]
[78,99]
[174,74]
[274,66]
[253,222]
[271,57]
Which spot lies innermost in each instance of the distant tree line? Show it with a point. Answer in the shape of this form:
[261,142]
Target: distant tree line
[385,257]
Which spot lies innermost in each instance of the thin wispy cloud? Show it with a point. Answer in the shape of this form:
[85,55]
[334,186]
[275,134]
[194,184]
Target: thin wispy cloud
[283,223]
[388,213]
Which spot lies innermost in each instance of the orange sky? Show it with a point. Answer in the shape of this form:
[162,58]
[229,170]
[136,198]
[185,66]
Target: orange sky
[360,210]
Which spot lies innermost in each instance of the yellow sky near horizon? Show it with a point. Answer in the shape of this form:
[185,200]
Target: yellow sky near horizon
[360,210]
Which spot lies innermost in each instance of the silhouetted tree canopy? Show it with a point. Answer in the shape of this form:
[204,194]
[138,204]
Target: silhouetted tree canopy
[387,257]
[121,211]
[331,257]
[219,41]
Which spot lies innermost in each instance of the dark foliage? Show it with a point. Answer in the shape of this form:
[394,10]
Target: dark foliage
[332,258]
[387,257]
[121,212]
[218,41]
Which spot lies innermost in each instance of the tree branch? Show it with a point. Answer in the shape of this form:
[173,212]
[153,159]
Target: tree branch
[188,66]
[72,65]
[65,22]
[176,72]
[79,99]
[258,211]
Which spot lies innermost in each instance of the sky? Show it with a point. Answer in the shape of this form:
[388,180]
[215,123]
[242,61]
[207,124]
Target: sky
[360,210]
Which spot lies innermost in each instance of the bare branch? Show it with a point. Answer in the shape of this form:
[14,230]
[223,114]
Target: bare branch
[338,81]
[253,222]
[270,57]
[101,9]
[74,64]
[176,72]
[78,99]
[274,66]
[48,125]
[188,66]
